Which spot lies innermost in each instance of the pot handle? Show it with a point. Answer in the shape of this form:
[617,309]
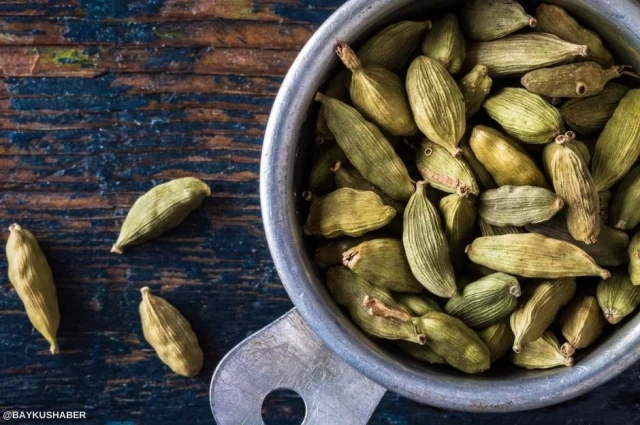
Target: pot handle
[287,354]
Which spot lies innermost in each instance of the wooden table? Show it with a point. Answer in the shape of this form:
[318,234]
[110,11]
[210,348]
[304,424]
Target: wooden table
[99,101]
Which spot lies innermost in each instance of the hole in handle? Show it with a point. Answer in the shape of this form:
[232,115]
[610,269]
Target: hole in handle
[283,407]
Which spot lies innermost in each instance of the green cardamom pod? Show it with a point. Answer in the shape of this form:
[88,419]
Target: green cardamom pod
[31,277]
[504,159]
[574,80]
[352,292]
[487,229]
[625,205]
[618,297]
[347,212]
[589,115]
[445,172]
[459,216]
[634,259]
[329,252]
[524,115]
[540,304]
[484,179]
[421,352]
[533,255]
[348,176]
[392,47]
[436,102]
[521,53]
[426,245]
[475,86]
[160,209]
[518,205]
[618,146]
[419,305]
[486,301]
[485,20]
[609,250]
[383,263]
[367,149]
[378,94]
[451,339]
[321,179]
[580,148]
[336,89]
[445,43]
[543,353]
[498,338]
[572,181]
[582,324]
[555,20]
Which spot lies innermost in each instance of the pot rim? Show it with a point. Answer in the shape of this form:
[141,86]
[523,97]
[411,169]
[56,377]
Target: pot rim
[525,390]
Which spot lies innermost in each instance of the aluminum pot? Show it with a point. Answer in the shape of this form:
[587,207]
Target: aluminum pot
[343,384]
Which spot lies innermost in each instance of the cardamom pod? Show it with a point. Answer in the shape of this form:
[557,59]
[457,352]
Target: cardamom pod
[504,159]
[454,341]
[367,149]
[383,263]
[330,252]
[533,255]
[572,181]
[485,301]
[521,53]
[581,149]
[351,291]
[555,20]
[485,20]
[618,297]
[524,115]
[321,179]
[347,212]
[170,334]
[590,114]
[573,80]
[419,305]
[426,245]
[459,216]
[605,199]
[487,229]
[31,277]
[609,250]
[582,324]
[436,102]
[543,353]
[498,338]
[378,94]
[445,172]
[475,86]
[445,43]
[634,259]
[392,47]
[421,352]
[483,178]
[540,305]
[625,205]
[337,89]
[618,146]
[518,205]
[160,209]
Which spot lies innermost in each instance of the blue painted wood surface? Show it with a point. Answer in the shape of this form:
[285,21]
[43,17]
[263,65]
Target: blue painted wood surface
[101,100]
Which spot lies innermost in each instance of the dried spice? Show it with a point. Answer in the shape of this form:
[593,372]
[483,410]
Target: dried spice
[582,324]
[458,216]
[543,353]
[624,212]
[483,178]
[329,252]
[518,205]
[445,43]
[485,20]
[498,338]
[588,115]
[487,229]
[634,259]
[475,86]
[618,297]
[321,179]
[445,172]
[337,89]
[419,305]
[421,352]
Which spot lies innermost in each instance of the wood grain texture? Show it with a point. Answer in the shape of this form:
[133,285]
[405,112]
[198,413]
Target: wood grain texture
[100,101]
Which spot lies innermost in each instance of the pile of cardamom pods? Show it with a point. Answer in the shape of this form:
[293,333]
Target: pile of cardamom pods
[467,214]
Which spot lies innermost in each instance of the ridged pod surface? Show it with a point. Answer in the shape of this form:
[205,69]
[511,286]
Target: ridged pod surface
[337,88]
[485,20]
[590,114]
[634,259]
[487,229]
[518,205]
[618,297]
[458,216]
[321,179]
[498,338]
[419,305]
[421,352]
[330,253]
[582,323]
[483,178]
[445,172]
[543,353]
[475,87]
[445,43]
[624,211]
[348,176]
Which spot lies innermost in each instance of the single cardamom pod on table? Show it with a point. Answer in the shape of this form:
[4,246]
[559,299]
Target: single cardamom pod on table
[618,297]
[347,212]
[475,86]
[458,216]
[533,255]
[624,211]
[419,305]
[498,338]
[30,275]
[160,209]
[582,324]
[170,335]
[445,172]
[484,20]
[588,115]
[518,205]
[445,43]
[540,305]
[543,353]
